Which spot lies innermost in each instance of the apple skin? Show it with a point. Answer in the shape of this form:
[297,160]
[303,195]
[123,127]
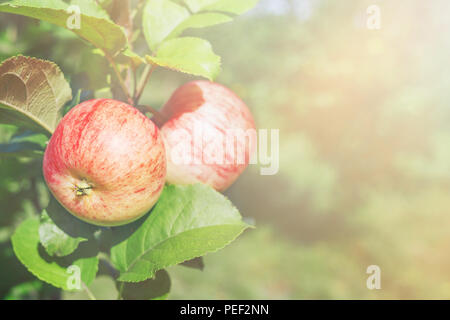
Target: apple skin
[105,163]
[216,109]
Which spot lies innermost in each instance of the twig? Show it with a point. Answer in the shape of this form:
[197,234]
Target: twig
[119,296]
[143,82]
[120,78]
[134,83]
[104,258]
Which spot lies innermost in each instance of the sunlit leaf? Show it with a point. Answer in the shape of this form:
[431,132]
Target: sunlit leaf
[197,5]
[94,24]
[55,241]
[201,20]
[69,223]
[189,55]
[159,19]
[165,19]
[230,6]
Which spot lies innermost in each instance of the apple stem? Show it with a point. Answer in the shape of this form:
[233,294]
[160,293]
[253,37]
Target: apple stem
[83,191]
[83,188]
[158,118]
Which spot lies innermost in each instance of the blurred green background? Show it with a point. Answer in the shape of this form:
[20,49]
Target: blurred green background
[364,119]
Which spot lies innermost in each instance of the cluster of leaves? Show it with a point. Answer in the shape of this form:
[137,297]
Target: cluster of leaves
[163,22]
[187,222]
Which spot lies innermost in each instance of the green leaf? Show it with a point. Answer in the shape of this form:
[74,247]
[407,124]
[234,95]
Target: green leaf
[69,223]
[25,241]
[90,8]
[21,149]
[189,55]
[55,241]
[229,6]
[24,291]
[157,288]
[130,58]
[200,20]
[38,139]
[159,19]
[32,93]
[187,222]
[60,232]
[95,26]
[25,144]
[198,5]
[163,19]
[88,267]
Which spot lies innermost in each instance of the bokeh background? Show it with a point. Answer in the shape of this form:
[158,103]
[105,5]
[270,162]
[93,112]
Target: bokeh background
[364,119]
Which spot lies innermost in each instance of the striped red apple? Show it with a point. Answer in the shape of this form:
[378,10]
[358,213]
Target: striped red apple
[106,163]
[209,135]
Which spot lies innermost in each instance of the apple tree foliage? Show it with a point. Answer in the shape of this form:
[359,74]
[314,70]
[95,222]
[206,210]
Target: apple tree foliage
[188,221]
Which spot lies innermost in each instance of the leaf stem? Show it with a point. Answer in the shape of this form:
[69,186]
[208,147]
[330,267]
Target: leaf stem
[134,83]
[119,296]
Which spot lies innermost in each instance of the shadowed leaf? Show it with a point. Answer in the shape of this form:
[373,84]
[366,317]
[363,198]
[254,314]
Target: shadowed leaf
[55,241]
[157,288]
[32,93]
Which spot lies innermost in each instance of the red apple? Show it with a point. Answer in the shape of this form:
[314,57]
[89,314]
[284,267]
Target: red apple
[106,163]
[209,135]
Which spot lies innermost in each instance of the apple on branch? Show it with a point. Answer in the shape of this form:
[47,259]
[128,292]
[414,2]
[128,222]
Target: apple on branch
[209,134]
[105,163]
